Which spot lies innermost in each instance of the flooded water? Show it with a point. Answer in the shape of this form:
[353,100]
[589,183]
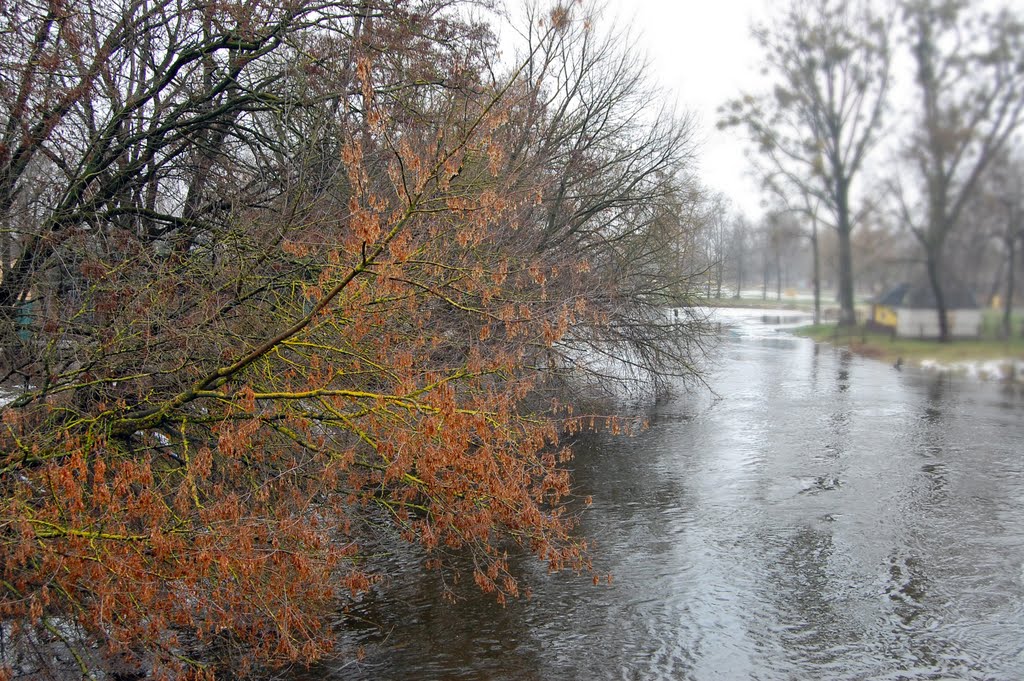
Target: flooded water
[821,516]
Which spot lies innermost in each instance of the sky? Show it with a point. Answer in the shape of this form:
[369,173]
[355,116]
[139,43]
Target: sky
[701,53]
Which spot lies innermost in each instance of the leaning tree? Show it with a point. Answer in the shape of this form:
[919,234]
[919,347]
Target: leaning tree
[280,290]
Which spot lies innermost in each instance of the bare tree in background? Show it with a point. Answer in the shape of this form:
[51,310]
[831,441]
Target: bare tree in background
[970,86]
[997,214]
[739,247]
[718,235]
[809,207]
[829,63]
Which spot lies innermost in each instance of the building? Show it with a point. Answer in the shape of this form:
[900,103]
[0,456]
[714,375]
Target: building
[909,311]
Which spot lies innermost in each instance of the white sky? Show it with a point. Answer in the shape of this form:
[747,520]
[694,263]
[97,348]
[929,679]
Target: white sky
[702,54]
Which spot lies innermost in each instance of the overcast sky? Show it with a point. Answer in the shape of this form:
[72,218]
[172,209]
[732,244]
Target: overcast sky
[702,54]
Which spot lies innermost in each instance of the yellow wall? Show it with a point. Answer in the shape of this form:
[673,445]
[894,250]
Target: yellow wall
[883,315]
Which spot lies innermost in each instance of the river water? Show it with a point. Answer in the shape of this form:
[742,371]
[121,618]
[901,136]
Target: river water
[815,515]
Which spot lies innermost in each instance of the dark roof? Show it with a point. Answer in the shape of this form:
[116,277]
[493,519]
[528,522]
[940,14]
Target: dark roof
[893,296]
[918,295]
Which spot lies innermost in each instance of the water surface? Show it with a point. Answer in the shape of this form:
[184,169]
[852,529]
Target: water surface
[817,515]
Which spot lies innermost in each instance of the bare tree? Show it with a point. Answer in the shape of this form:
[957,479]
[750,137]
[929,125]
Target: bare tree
[1012,200]
[718,234]
[617,195]
[997,214]
[829,65]
[812,212]
[301,275]
[808,207]
[782,233]
[739,246]
[970,85]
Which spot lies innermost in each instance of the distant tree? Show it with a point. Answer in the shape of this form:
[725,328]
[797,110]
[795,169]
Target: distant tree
[828,63]
[885,254]
[997,212]
[807,207]
[716,240]
[970,86]
[782,234]
[811,210]
[739,248]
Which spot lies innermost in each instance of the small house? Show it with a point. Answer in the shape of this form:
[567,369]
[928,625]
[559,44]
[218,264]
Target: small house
[909,311]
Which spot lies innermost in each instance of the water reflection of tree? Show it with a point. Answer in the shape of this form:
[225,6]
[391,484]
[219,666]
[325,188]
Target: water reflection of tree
[931,440]
[425,618]
[815,627]
[916,578]
[843,384]
[937,390]
[837,426]
[909,639]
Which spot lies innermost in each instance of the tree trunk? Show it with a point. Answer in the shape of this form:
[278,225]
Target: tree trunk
[778,276]
[940,300]
[997,283]
[739,276]
[847,314]
[764,281]
[817,272]
[1008,304]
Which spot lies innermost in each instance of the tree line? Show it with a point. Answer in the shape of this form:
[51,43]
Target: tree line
[284,281]
[833,142]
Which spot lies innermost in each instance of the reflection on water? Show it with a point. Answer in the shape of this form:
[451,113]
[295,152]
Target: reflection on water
[818,516]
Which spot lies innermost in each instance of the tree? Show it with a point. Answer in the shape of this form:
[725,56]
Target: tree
[970,86]
[809,207]
[1011,200]
[997,212]
[829,63]
[717,238]
[739,247]
[617,196]
[812,213]
[781,231]
[281,289]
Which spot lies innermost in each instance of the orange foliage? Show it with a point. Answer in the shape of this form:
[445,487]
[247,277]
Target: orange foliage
[196,492]
[294,299]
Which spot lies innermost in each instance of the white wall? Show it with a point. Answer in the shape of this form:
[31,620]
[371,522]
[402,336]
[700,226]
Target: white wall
[925,323]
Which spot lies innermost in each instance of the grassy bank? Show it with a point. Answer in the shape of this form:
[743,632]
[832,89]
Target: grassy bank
[884,347]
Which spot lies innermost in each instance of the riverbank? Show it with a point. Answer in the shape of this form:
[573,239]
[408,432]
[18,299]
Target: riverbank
[989,358]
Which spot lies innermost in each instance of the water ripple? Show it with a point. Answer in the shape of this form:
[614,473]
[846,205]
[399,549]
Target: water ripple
[825,517]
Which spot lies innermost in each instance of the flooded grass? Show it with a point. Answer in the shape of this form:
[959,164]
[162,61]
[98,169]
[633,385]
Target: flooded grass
[884,346]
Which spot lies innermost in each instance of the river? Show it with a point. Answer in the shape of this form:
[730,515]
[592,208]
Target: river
[814,515]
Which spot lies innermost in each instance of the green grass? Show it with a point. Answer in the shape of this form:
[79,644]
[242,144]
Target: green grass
[992,323]
[884,347]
